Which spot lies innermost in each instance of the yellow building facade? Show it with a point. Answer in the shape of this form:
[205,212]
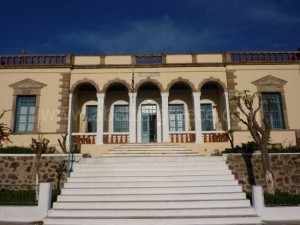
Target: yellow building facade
[106,100]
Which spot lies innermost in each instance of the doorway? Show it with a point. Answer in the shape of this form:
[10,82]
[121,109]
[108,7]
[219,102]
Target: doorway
[149,123]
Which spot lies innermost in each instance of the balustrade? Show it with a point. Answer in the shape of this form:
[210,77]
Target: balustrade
[116,138]
[35,60]
[83,138]
[264,56]
[182,137]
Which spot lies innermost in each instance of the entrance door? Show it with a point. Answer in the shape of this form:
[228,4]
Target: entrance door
[149,121]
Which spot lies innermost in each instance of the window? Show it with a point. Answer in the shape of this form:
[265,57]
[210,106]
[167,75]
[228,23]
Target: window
[207,117]
[121,118]
[276,118]
[91,114]
[176,118]
[25,114]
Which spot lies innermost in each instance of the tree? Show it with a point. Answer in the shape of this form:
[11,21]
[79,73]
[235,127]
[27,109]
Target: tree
[63,144]
[5,131]
[260,133]
[231,138]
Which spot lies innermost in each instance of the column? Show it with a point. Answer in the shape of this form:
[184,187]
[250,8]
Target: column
[227,110]
[165,115]
[100,117]
[197,111]
[70,121]
[132,117]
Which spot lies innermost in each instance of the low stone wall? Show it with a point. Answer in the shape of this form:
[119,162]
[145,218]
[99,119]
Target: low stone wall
[20,169]
[285,167]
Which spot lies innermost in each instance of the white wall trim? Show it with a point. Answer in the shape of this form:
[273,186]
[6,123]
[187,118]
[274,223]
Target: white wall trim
[272,213]
[29,213]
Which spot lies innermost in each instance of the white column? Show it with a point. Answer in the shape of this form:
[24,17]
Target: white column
[197,112]
[70,120]
[165,115]
[100,117]
[132,117]
[227,110]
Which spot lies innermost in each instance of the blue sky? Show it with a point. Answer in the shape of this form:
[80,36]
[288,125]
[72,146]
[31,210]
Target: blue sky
[148,26]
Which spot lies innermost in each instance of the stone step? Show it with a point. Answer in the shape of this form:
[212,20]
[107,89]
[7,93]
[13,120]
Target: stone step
[155,213]
[154,197]
[242,220]
[188,158]
[150,173]
[139,154]
[149,151]
[148,164]
[152,205]
[150,184]
[155,190]
[145,168]
[150,148]
[151,178]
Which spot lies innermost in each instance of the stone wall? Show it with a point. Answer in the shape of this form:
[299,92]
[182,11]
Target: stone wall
[247,168]
[20,170]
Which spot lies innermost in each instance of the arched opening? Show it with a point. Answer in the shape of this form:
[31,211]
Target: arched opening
[181,113]
[116,114]
[149,113]
[84,113]
[213,107]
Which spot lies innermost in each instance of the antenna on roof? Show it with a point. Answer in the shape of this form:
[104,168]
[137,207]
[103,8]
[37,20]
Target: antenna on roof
[23,51]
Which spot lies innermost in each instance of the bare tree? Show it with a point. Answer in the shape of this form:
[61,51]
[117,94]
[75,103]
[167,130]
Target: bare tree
[260,133]
[62,143]
[39,146]
[231,138]
[5,131]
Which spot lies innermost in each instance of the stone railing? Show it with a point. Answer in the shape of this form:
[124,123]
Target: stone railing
[84,138]
[211,137]
[278,57]
[148,59]
[182,137]
[15,60]
[116,138]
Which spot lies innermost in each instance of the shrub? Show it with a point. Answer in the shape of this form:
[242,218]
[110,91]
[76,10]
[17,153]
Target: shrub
[278,199]
[16,150]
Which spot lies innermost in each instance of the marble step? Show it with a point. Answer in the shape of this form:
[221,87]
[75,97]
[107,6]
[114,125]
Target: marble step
[236,220]
[152,197]
[145,168]
[151,178]
[151,190]
[156,213]
[150,184]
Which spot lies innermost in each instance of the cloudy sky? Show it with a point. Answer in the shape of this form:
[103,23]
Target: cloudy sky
[148,26]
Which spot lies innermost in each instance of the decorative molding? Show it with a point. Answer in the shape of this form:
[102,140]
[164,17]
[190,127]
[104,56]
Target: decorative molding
[269,81]
[28,84]
[231,85]
[149,80]
[84,81]
[212,80]
[181,80]
[64,103]
[115,81]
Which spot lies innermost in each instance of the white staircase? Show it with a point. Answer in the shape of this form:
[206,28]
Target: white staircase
[152,184]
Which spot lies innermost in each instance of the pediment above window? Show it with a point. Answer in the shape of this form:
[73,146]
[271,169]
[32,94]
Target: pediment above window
[269,81]
[28,84]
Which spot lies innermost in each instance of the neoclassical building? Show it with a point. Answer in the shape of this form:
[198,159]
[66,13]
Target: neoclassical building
[105,100]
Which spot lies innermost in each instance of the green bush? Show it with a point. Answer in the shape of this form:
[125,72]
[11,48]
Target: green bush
[251,146]
[16,150]
[278,199]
